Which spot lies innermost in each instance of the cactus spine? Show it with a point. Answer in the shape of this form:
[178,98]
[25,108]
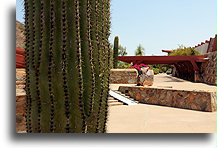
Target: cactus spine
[67,65]
[115,56]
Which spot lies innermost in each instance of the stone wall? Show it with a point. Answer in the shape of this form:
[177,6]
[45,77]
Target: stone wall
[20,113]
[123,76]
[20,100]
[193,100]
[208,70]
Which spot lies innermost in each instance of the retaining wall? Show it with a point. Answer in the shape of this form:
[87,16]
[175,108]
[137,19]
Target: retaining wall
[193,100]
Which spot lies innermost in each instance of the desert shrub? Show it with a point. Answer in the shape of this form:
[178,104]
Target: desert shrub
[163,69]
[169,71]
[156,71]
[185,51]
[123,65]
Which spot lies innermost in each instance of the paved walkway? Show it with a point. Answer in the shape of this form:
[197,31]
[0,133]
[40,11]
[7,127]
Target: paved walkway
[168,82]
[157,119]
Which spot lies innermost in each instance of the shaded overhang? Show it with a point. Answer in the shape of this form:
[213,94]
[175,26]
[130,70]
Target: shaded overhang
[163,60]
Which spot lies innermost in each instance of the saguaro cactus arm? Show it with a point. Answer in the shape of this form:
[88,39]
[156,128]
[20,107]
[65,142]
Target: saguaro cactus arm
[115,56]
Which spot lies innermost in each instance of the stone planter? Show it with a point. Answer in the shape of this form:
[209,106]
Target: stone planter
[123,76]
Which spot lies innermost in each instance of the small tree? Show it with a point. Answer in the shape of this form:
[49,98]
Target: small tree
[140,51]
[122,51]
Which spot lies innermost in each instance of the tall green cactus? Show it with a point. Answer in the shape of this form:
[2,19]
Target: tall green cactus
[115,53]
[67,65]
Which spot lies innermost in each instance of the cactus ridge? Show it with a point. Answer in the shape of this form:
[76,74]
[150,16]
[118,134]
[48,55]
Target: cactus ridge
[78,42]
[52,126]
[64,64]
[108,23]
[37,74]
[92,93]
[27,86]
[102,60]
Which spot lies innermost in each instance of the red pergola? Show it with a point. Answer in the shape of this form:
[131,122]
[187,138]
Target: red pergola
[167,51]
[20,58]
[187,67]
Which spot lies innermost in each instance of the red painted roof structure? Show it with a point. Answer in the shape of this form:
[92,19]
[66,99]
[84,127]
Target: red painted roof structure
[20,58]
[186,66]
[167,51]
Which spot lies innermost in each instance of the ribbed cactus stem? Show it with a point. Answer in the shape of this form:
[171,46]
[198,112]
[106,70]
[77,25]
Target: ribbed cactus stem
[67,65]
[104,73]
[115,56]
[108,25]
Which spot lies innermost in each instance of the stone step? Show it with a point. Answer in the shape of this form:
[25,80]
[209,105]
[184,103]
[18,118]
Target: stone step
[115,104]
[111,101]
[20,82]
[111,98]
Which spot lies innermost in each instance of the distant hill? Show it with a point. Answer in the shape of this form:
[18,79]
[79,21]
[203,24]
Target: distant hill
[20,38]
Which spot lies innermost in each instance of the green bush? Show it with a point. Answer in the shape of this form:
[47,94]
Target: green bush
[185,51]
[169,71]
[156,71]
[164,69]
[123,65]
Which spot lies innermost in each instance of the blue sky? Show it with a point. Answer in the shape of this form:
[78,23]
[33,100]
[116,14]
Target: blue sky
[158,24]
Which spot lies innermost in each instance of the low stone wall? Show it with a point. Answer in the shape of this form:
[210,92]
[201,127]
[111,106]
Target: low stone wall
[208,70]
[123,76]
[193,100]
[20,100]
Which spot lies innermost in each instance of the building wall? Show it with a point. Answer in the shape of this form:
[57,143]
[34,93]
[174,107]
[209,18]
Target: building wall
[208,69]
[203,48]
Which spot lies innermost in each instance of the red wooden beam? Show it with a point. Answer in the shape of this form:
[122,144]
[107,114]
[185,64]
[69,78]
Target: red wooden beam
[20,62]
[167,51]
[160,59]
[20,51]
[178,61]
[20,58]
